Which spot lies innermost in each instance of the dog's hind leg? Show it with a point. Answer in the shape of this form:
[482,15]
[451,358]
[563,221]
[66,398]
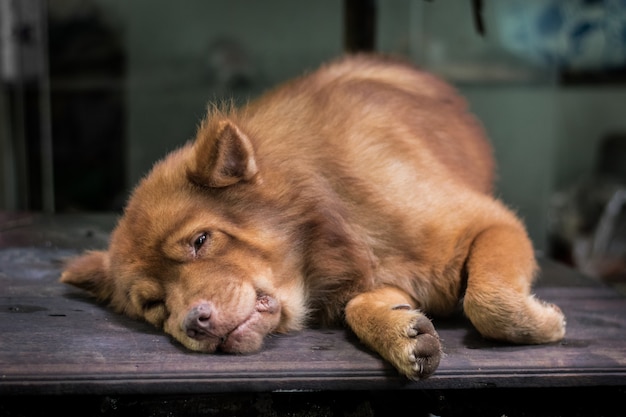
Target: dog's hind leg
[501,267]
[385,320]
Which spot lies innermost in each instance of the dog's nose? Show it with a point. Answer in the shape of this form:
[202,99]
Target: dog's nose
[198,320]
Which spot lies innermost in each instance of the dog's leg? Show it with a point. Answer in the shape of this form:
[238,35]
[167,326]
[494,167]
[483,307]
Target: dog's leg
[501,267]
[386,320]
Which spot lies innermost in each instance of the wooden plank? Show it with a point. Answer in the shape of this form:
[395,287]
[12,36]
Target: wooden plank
[55,339]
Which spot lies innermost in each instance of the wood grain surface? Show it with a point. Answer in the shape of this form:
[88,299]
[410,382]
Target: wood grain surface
[54,339]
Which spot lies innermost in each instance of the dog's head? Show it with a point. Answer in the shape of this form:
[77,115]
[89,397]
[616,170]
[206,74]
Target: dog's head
[196,252]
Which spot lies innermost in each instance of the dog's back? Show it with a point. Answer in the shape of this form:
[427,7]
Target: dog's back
[368,112]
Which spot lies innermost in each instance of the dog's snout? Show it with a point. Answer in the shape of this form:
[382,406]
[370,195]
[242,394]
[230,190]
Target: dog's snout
[198,320]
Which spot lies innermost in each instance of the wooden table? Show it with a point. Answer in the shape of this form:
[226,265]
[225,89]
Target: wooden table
[54,339]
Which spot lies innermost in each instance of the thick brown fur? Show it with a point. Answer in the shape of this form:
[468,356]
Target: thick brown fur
[359,193]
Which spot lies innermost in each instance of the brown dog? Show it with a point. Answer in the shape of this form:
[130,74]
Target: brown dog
[359,192]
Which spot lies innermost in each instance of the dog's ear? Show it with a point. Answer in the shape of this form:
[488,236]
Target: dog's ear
[90,272]
[223,156]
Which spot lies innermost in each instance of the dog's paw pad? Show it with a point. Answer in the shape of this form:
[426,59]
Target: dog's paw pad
[421,325]
[422,348]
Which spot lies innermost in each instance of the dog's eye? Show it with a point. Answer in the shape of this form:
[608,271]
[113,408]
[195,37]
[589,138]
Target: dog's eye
[200,240]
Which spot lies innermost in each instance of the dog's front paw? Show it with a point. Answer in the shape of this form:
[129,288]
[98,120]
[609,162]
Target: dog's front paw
[417,349]
[385,320]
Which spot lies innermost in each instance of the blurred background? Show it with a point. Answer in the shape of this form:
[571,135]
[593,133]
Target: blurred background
[93,92]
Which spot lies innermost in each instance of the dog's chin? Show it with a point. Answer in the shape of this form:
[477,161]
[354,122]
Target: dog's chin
[248,337]
[235,343]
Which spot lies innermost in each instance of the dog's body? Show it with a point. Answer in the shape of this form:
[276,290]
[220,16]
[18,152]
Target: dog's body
[360,192]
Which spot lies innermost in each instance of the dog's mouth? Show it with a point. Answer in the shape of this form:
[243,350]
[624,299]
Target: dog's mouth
[257,323]
[247,336]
